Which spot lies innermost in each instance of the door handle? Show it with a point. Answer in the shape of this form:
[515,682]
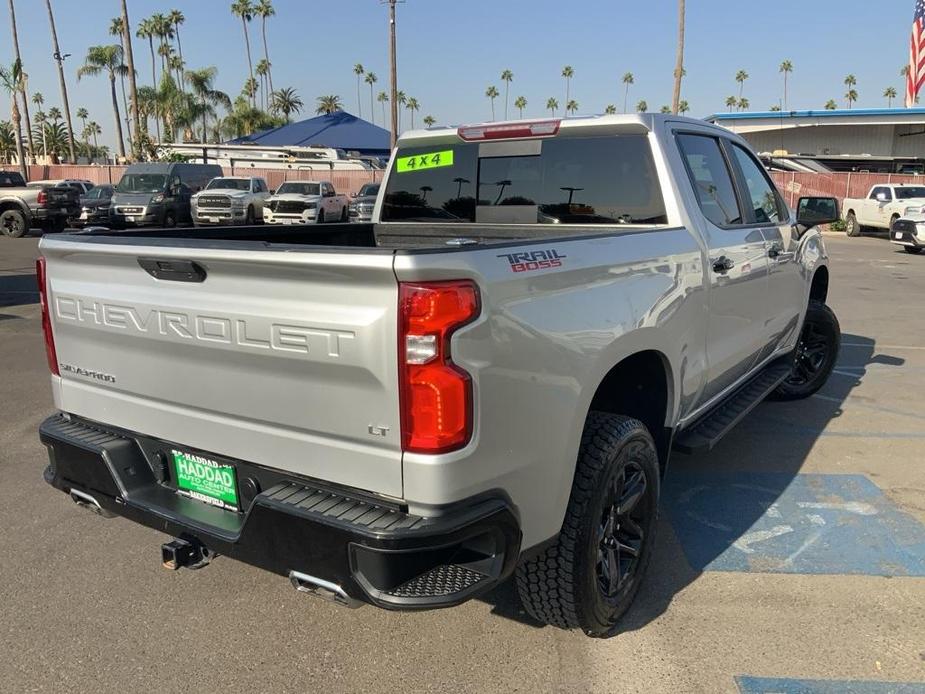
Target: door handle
[722,264]
[776,252]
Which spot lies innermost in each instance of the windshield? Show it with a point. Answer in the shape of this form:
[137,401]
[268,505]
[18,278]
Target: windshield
[908,192]
[370,189]
[299,189]
[229,183]
[567,180]
[142,183]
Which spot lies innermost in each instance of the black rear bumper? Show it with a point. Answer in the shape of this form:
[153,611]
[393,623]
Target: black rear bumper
[372,549]
[905,233]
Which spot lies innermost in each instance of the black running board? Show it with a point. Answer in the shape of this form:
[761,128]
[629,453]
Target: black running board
[713,426]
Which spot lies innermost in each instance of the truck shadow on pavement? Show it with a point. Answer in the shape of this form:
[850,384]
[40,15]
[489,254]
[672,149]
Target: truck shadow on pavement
[18,290]
[740,482]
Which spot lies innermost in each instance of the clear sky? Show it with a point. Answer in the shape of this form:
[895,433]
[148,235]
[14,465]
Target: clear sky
[450,51]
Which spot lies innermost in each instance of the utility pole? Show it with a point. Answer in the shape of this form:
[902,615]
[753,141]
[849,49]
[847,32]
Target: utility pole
[393,74]
[59,59]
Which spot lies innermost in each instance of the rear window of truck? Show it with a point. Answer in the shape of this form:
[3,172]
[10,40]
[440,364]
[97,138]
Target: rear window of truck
[563,180]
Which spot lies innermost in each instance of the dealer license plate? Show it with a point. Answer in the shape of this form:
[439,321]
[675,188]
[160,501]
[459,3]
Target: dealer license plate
[205,479]
[214,220]
[129,218]
[898,235]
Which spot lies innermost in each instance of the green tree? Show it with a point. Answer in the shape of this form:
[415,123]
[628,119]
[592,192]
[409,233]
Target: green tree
[54,113]
[359,71]
[741,77]
[568,73]
[264,10]
[11,80]
[41,119]
[830,105]
[17,58]
[371,80]
[851,96]
[401,100]
[520,103]
[786,68]
[383,98]
[286,101]
[507,77]
[731,103]
[262,71]
[429,121]
[330,103]
[107,59]
[610,109]
[683,107]
[665,109]
[176,18]
[83,114]
[628,79]
[245,10]
[412,106]
[117,28]
[202,86]
[7,142]
[743,104]
[774,109]
[642,106]
[571,107]
[889,94]
[492,94]
[93,130]
[552,105]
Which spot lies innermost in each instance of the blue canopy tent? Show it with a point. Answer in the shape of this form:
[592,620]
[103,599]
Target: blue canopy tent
[340,130]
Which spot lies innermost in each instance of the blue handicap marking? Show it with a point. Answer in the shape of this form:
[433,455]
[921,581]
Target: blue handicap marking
[781,523]
[773,685]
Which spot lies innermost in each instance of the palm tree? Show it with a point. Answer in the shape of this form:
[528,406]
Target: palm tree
[146,31]
[775,108]
[400,100]
[383,98]
[786,68]
[359,71]
[163,29]
[552,104]
[628,79]
[11,79]
[55,137]
[830,105]
[731,103]
[7,142]
[22,92]
[39,117]
[177,67]
[264,10]
[263,69]
[642,106]
[743,104]
[202,85]
[60,61]
[429,121]
[492,94]
[667,109]
[108,59]
[38,99]
[40,120]
[904,71]
[520,103]
[244,10]
[412,106]
[679,60]
[54,113]
[851,96]
[507,77]
[93,130]
[571,107]
[568,73]
[286,101]
[117,28]
[328,104]
[610,109]
[140,129]
[684,108]
[176,18]
[371,79]
[889,94]
[741,76]
[83,114]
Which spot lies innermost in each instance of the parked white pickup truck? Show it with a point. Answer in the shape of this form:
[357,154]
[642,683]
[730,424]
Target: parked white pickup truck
[306,202]
[884,204]
[230,200]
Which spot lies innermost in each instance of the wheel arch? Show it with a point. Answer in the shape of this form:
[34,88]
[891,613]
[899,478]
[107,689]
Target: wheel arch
[819,288]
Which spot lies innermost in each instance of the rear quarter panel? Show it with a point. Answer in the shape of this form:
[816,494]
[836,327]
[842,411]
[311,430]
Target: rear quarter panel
[543,344]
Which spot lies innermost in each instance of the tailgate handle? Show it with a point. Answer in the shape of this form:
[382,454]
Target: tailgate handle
[173,270]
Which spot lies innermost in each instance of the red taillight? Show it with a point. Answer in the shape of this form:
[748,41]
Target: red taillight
[436,395]
[46,317]
[503,131]
[42,198]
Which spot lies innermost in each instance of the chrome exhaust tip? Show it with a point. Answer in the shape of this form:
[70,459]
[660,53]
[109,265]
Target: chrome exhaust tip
[86,501]
[322,589]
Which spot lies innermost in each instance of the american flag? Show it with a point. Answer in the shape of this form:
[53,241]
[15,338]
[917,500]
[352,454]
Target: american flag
[916,77]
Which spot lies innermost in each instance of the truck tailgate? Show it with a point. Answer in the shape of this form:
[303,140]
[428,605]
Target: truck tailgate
[284,359]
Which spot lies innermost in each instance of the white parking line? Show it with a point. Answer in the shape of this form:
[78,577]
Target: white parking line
[879,346]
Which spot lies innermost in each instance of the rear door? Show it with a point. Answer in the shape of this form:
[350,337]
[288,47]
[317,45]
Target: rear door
[738,264]
[283,358]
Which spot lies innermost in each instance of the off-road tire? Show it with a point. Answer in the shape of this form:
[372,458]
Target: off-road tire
[343,215]
[808,377]
[561,585]
[852,228]
[892,222]
[249,217]
[13,224]
[320,216]
[914,250]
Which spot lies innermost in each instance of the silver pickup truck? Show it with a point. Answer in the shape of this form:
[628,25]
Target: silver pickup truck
[43,204]
[485,381]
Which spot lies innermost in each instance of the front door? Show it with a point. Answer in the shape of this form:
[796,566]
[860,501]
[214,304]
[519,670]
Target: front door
[738,266]
[786,287]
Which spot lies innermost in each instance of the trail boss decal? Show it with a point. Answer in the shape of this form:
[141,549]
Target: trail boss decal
[424,161]
[534,260]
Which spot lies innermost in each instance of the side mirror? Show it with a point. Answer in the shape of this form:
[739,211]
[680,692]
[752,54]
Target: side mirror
[815,211]
[881,197]
[272,191]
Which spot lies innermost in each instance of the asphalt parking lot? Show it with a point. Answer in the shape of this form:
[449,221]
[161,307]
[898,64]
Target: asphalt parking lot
[790,559]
